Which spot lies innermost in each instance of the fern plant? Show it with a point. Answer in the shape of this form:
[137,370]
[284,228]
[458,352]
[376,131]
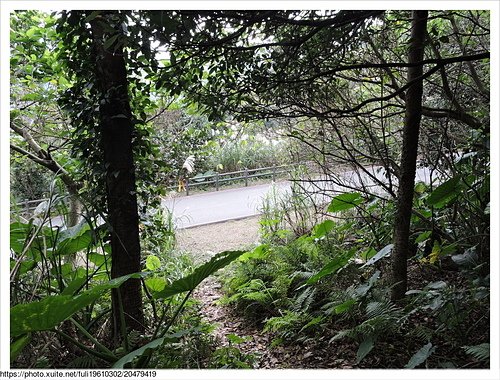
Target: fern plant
[479,352]
[382,318]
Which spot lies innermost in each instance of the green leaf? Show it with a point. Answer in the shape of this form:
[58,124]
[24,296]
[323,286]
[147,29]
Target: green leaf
[445,193]
[74,286]
[153,263]
[49,312]
[364,348]
[332,267]
[420,187]
[32,97]
[25,267]
[74,239]
[258,252]
[120,364]
[155,284]
[97,259]
[384,252]
[344,306]
[17,346]
[423,236]
[140,351]
[235,339]
[345,201]
[63,82]
[322,229]
[420,356]
[31,32]
[191,281]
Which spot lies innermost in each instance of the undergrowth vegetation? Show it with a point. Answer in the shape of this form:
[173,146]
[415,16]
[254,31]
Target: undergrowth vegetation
[329,285]
[61,313]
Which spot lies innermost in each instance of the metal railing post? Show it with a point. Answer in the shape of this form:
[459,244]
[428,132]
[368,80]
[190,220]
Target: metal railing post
[217,181]
[246,177]
[274,173]
[187,186]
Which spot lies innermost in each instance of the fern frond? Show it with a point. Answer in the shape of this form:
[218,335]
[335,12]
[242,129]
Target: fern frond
[422,333]
[480,352]
[303,302]
[385,309]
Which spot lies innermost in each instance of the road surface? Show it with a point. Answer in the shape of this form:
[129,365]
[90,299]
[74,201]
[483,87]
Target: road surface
[219,206]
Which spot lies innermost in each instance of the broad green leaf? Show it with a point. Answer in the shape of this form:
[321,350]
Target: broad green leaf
[420,356]
[445,192]
[97,259]
[120,364]
[384,252]
[74,286]
[31,97]
[17,346]
[345,201]
[21,232]
[147,348]
[153,263]
[420,187]
[30,33]
[155,284]
[63,82]
[25,267]
[191,281]
[74,239]
[436,285]
[322,229]
[423,236]
[364,348]
[258,252]
[49,312]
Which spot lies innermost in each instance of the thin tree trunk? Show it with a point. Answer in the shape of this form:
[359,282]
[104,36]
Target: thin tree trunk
[75,210]
[116,140]
[408,165]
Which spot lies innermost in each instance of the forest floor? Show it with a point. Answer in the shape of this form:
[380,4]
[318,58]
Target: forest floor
[203,242]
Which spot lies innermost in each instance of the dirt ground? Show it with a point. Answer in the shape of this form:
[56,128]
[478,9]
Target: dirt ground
[205,241]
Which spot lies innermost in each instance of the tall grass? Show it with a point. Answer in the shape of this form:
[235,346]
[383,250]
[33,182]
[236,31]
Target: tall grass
[250,154]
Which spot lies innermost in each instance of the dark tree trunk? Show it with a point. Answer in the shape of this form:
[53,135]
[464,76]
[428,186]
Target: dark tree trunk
[116,141]
[411,131]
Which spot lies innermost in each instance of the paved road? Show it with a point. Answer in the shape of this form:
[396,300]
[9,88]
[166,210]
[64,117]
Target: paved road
[218,206]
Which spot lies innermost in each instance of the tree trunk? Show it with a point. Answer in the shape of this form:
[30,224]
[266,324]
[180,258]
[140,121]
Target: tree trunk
[75,209]
[408,165]
[116,141]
